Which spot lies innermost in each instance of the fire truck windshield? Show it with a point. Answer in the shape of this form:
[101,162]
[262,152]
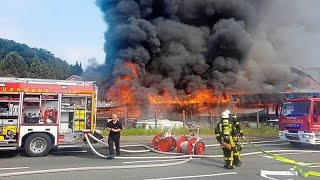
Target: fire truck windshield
[292,109]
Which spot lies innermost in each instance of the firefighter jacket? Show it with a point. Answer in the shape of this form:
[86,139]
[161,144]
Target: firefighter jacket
[226,132]
[237,125]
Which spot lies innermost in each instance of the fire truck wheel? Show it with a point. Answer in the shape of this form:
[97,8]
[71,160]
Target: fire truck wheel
[37,145]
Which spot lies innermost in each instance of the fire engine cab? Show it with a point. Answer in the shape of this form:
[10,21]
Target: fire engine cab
[299,120]
[40,114]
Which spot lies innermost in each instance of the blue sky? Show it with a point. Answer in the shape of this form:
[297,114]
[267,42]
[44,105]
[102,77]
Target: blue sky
[71,29]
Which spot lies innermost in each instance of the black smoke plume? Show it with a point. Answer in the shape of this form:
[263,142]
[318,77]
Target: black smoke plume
[183,46]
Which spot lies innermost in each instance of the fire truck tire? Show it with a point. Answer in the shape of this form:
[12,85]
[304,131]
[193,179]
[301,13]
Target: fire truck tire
[37,145]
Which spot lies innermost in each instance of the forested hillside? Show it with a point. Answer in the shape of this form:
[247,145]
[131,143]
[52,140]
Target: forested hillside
[19,60]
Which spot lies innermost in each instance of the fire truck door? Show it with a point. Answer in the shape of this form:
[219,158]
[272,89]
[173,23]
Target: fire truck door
[316,115]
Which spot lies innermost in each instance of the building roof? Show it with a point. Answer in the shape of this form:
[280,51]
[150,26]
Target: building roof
[75,78]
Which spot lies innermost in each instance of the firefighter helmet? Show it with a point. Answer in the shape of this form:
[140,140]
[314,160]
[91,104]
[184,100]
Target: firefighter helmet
[227,111]
[224,115]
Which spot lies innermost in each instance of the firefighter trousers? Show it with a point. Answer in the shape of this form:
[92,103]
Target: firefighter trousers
[228,158]
[236,154]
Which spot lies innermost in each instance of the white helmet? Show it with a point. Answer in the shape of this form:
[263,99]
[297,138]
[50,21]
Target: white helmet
[227,111]
[224,115]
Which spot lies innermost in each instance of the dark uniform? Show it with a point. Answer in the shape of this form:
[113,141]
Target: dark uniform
[225,133]
[238,146]
[114,137]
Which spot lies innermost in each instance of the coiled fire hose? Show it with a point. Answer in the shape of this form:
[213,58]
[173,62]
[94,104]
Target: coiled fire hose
[137,157]
[148,149]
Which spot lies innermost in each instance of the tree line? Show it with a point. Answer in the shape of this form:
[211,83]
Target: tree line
[19,60]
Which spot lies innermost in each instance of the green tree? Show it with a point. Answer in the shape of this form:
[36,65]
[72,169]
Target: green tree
[76,69]
[41,63]
[39,69]
[13,65]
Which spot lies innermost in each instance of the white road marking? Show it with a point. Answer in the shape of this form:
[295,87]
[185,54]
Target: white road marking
[195,176]
[257,142]
[278,154]
[11,168]
[268,157]
[314,166]
[272,144]
[288,153]
[265,173]
[132,162]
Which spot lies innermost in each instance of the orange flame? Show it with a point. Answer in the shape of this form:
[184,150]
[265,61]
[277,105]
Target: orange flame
[122,93]
[201,97]
[133,69]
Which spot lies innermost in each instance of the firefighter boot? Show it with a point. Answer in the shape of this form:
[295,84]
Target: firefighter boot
[228,165]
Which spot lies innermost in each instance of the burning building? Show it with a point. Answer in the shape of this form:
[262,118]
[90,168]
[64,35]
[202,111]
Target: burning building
[188,54]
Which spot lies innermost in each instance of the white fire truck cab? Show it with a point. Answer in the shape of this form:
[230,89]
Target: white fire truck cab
[40,114]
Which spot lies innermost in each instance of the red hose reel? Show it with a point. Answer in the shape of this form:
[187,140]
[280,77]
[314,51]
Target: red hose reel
[190,144]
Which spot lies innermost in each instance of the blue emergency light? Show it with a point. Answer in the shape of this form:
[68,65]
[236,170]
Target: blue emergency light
[293,126]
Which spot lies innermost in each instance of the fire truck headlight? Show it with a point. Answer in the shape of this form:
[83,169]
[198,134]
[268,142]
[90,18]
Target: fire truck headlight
[307,136]
[281,133]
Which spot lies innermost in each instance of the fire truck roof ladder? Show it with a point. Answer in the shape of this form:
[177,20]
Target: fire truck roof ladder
[46,81]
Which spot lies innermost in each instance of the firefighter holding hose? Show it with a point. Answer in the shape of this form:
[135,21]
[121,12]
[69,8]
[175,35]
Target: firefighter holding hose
[225,132]
[239,134]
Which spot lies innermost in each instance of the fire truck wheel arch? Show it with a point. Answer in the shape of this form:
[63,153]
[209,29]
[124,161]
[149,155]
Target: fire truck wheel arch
[37,145]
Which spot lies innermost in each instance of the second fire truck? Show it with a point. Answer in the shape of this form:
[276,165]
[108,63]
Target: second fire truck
[299,120]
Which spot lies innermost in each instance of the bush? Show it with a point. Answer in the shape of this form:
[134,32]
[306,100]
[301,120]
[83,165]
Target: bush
[264,130]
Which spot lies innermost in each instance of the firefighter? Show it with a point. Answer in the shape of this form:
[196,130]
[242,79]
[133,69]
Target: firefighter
[239,134]
[225,131]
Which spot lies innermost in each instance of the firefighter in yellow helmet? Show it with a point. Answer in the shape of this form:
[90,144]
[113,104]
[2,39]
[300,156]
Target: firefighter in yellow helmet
[225,131]
[239,134]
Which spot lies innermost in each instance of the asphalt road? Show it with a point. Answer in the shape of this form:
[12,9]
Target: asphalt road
[142,169]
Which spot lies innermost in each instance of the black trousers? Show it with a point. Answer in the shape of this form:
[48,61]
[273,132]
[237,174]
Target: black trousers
[116,141]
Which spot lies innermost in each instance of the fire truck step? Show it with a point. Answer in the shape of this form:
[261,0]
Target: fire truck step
[8,148]
[69,146]
[8,144]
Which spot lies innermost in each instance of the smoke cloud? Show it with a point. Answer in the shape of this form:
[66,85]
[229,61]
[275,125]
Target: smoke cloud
[183,46]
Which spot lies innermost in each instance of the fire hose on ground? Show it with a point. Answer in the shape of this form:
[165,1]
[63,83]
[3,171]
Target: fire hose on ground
[188,158]
[179,155]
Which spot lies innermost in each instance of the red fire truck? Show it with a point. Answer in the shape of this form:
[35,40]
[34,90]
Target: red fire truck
[299,120]
[40,114]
